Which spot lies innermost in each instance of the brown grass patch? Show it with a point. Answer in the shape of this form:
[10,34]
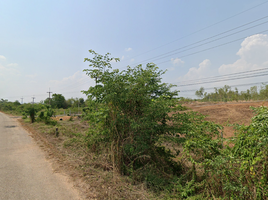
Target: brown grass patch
[227,113]
[92,175]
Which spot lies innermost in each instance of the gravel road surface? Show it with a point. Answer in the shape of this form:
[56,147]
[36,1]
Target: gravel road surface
[24,171]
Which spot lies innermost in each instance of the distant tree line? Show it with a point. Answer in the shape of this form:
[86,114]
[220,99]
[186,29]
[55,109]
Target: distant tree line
[59,101]
[16,106]
[56,102]
[227,94]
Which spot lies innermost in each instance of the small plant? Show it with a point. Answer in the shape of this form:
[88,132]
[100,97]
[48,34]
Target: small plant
[24,115]
[32,112]
[46,115]
[51,122]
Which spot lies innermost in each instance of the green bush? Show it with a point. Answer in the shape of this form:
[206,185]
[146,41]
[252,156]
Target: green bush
[129,113]
[24,115]
[46,115]
[240,172]
[32,111]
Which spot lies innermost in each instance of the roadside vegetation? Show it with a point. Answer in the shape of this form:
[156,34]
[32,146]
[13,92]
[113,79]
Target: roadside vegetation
[58,103]
[135,140]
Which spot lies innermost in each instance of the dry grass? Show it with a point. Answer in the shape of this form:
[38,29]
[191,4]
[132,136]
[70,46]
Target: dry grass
[92,174]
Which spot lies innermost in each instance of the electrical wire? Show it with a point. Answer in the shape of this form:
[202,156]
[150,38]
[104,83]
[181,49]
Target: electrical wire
[258,5]
[85,82]
[239,85]
[174,52]
[214,47]
[226,78]
[226,75]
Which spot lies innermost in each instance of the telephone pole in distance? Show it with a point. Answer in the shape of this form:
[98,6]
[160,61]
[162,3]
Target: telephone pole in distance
[49,95]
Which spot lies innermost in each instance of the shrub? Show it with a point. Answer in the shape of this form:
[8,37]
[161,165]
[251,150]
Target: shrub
[32,112]
[24,115]
[240,172]
[46,115]
[129,113]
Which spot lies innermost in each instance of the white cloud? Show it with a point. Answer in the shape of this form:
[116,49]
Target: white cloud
[75,77]
[176,61]
[2,57]
[253,54]
[132,60]
[123,57]
[12,65]
[171,68]
[128,49]
[8,72]
[77,82]
[31,75]
[202,71]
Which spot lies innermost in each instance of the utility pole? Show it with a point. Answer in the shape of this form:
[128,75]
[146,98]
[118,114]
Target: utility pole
[21,100]
[49,95]
[33,99]
[78,108]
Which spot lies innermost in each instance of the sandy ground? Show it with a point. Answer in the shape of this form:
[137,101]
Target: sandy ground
[224,113]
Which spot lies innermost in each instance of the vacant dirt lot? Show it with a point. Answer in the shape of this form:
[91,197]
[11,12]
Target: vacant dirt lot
[227,113]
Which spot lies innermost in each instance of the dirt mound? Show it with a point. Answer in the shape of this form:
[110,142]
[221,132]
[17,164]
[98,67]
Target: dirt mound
[62,118]
[227,113]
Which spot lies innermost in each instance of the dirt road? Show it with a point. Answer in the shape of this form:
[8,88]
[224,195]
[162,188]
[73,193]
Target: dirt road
[24,171]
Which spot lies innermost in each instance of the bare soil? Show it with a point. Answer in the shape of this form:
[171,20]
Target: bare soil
[227,113]
[63,118]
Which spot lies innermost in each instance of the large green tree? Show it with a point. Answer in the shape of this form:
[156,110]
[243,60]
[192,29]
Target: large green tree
[130,112]
[57,101]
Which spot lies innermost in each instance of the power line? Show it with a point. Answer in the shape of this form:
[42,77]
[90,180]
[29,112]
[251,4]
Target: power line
[246,84]
[252,75]
[25,96]
[221,76]
[39,95]
[80,81]
[75,86]
[258,5]
[204,43]
[170,53]
[49,95]
[227,79]
[213,47]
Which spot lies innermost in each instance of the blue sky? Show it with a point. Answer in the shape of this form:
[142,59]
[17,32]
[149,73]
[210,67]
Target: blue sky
[43,43]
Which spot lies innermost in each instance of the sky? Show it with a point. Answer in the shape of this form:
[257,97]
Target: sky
[43,43]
